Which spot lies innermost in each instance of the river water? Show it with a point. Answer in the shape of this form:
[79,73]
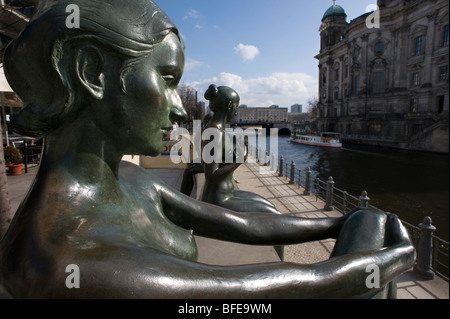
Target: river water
[412,185]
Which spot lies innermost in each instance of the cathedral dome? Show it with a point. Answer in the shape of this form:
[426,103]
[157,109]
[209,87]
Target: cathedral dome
[334,10]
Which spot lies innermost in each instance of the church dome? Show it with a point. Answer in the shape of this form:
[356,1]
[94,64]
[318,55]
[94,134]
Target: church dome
[334,10]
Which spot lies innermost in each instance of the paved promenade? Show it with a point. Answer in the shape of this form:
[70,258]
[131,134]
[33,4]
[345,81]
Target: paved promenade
[288,199]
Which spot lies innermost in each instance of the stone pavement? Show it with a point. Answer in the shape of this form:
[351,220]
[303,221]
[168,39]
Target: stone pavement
[288,199]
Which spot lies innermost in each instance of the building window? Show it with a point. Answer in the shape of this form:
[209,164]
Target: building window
[415,79]
[336,75]
[418,47]
[375,128]
[440,103]
[443,73]
[336,95]
[356,84]
[378,82]
[413,105]
[379,48]
[446,36]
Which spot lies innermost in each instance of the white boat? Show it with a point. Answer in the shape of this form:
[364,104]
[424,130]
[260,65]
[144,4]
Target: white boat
[325,139]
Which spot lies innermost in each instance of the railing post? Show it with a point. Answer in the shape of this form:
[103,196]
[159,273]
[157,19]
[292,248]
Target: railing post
[299,178]
[281,167]
[364,200]
[292,180]
[344,209]
[308,182]
[425,249]
[272,162]
[329,196]
[317,186]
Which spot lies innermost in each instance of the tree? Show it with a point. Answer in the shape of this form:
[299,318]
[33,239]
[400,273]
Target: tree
[189,99]
[312,106]
[5,208]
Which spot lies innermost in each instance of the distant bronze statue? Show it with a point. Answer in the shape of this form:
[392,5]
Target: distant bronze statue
[219,187]
[107,89]
[192,169]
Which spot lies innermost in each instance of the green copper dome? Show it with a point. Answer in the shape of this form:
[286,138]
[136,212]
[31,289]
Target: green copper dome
[334,10]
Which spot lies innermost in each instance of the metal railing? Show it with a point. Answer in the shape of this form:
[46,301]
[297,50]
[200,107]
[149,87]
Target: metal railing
[432,251]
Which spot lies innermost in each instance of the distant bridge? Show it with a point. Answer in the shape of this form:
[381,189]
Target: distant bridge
[283,128]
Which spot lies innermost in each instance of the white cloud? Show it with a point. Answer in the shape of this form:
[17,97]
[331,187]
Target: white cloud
[191,14]
[246,52]
[192,64]
[283,89]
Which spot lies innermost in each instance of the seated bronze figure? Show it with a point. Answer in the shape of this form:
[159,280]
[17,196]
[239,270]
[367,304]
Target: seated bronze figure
[219,187]
[107,89]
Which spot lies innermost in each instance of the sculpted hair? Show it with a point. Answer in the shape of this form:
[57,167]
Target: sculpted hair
[34,62]
[221,97]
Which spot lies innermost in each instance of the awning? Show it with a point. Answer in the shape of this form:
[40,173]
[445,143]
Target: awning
[4,85]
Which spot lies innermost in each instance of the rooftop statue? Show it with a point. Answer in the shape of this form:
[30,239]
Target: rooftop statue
[107,89]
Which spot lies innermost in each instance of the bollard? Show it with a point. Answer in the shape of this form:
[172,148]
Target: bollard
[329,197]
[292,179]
[308,182]
[425,250]
[364,200]
[281,167]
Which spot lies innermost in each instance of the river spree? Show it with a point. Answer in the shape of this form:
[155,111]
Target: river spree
[410,184]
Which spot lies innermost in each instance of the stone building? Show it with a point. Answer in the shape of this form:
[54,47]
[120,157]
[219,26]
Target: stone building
[250,115]
[383,77]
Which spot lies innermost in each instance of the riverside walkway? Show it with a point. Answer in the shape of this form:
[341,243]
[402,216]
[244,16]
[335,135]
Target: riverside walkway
[288,199]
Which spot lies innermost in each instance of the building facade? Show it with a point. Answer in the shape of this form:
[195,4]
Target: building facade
[383,77]
[297,108]
[273,114]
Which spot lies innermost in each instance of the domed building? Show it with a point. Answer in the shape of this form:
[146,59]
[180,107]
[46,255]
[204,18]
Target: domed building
[383,76]
[333,26]
[334,11]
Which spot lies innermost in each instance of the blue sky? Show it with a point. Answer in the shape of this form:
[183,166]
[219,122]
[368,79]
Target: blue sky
[264,49]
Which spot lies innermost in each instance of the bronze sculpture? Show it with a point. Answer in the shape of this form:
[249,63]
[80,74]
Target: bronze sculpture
[219,188]
[87,91]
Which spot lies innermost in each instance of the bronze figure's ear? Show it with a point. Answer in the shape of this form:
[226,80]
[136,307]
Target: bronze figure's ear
[89,67]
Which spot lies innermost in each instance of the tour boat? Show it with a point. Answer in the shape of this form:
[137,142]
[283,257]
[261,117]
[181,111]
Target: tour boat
[325,139]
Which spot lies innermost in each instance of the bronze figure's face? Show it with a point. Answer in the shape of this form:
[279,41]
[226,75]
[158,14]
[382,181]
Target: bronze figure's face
[149,102]
[118,71]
